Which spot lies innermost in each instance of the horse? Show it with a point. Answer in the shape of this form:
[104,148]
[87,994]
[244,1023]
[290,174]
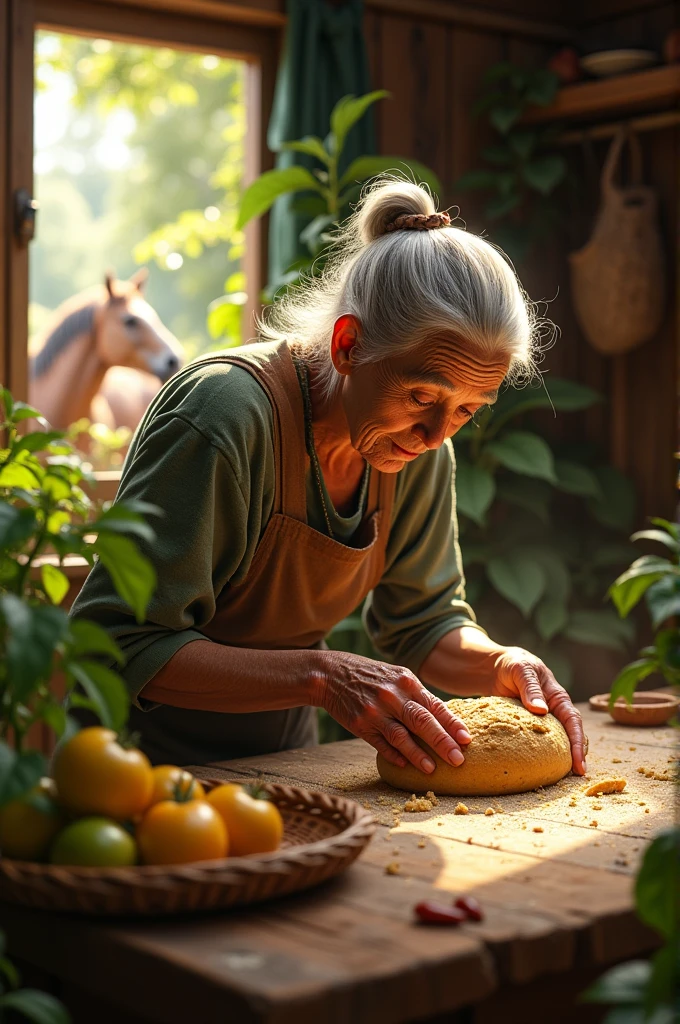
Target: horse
[103,356]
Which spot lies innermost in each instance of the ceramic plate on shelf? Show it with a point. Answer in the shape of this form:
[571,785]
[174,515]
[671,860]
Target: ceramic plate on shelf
[616,62]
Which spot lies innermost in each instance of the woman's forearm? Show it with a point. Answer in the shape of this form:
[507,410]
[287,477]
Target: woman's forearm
[462,662]
[208,676]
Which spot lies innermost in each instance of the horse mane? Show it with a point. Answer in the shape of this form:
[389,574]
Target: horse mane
[73,317]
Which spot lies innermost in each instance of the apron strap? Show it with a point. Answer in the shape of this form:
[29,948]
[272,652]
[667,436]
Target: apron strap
[276,374]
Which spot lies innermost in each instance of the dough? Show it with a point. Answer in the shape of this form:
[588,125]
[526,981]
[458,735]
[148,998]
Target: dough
[512,750]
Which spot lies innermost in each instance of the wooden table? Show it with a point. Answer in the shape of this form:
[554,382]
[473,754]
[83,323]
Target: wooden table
[556,888]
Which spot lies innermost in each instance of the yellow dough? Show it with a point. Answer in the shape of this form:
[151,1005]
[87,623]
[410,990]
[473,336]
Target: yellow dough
[512,750]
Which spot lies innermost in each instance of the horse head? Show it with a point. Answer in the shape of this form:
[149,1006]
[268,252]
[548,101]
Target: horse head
[129,332]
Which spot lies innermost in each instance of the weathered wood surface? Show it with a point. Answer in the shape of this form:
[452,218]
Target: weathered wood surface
[558,904]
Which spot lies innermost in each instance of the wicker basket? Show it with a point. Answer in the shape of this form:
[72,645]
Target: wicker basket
[323,835]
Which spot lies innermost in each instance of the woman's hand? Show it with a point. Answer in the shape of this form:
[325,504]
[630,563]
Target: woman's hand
[521,674]
[387,706]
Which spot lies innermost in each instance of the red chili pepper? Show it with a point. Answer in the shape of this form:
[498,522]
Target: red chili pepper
[470,907]
[438,913]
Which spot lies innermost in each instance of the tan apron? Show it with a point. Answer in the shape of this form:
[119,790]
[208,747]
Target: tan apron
[300,584]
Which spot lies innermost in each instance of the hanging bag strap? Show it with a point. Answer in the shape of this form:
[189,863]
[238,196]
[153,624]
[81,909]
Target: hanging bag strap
[607,183]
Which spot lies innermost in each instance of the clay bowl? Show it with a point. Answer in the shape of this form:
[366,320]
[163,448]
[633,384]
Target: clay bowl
[648,708]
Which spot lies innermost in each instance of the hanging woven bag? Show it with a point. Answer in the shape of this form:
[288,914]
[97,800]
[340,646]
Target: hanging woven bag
[618,278]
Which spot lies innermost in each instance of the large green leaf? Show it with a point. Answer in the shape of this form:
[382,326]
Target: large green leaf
[37,442]
[622,985]
[660,536]
[530,494]
[657,887]
[550,617]
[87,637]
[629,677]
[663,599]
[33,632]
[544,173]
[630,586]
[524,453]
[266,189]
[577,479]
[311,145]
[22,411]
[616,509]
[558,586]
[18,772]
[365,167]
[14,474]
[35,1006]
[475,488]
[224,320]
[133,575]
[601,628]
[347,111]
[105,689]
[504,115]
[16,525]
[519,579]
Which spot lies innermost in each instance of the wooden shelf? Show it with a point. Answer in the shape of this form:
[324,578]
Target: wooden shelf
[656,89]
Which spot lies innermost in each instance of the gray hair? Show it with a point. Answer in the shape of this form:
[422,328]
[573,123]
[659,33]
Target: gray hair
[405,287]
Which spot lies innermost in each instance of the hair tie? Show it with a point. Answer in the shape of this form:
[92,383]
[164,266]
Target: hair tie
[419,222]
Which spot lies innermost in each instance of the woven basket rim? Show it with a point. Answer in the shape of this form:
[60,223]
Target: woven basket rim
[360,821]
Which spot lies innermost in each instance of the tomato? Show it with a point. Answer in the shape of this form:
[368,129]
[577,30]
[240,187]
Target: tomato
[94,843]
[169,782]
[96,775]
[29,824]
[254,823]
[179,833]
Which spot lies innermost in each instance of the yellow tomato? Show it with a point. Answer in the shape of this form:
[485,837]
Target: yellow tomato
[29,824]
[96,775]
[169,782]
[254,823]
[180,833]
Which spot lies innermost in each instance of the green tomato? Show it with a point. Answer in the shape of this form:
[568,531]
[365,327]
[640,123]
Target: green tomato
[95,843]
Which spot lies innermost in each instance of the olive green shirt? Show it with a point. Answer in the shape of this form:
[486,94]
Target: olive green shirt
[204,454]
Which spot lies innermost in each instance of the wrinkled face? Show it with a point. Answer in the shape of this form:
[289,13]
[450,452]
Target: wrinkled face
[399,408]
[130,333]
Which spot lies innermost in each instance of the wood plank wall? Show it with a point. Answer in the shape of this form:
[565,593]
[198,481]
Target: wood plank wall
[433,69]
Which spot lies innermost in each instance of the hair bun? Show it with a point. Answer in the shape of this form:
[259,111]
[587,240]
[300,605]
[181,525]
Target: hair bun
[386,200]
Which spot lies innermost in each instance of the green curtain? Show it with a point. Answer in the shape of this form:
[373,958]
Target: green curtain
[324,58]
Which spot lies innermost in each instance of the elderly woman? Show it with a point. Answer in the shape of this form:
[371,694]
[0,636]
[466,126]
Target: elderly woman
[300,476]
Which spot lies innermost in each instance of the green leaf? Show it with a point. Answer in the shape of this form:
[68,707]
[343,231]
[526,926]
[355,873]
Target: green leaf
[672,528]
[365,167]
[563,395]
[628,678]
[657,887]
[87,637]
[544,173]
[530,494]
[347,111]
[33,634]
[663,599]
[542,87]
[105,689]
[617,507]
[522,143]
[660,537]
[499,154]
[22,411]
[662,988]
[55,582]
[38,1007]
[36,442]
[520,580]
[263,192]
[502,205]
[555,568]
[18,772]
[133,575]
[550,617]
[504,115]
[16,525]
[667,647]
[224,320]
[574,478]
[54,716]
[599,627]
[623,985]
[9,972]
[630,586]
[475,489]
[311,145]
[525,453]
[16,475]
[314,235]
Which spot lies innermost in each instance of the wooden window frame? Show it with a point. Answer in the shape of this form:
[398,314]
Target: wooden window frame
[251,33]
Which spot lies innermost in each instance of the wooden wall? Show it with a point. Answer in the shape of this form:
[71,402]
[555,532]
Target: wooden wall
[433,66]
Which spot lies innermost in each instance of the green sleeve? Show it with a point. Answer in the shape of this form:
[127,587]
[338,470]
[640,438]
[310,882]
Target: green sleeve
[215,489]
[421,595]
